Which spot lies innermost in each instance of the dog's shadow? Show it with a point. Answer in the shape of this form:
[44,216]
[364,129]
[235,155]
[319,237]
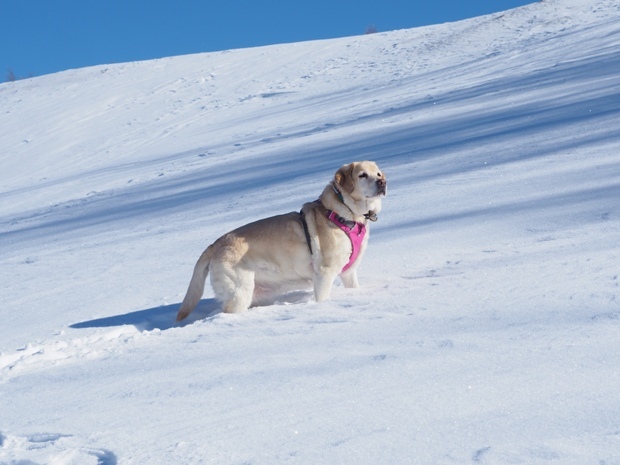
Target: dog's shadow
[164,317]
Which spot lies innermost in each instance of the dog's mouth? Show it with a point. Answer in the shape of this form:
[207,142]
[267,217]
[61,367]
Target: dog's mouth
[379,193]
[378,189]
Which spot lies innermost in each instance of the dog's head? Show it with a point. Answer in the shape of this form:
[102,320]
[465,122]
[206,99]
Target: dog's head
[361,180]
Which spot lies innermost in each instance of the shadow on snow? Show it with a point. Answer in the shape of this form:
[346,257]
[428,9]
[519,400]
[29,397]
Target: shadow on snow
[164,317]
[161,318]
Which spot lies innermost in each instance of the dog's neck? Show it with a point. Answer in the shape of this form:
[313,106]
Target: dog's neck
[358,210]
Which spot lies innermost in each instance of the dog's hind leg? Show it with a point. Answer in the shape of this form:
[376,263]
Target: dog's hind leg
[234,288]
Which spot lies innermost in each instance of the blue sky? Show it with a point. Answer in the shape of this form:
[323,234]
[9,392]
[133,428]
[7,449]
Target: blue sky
[44,36]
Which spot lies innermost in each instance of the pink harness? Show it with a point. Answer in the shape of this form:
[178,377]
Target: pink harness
[356,235]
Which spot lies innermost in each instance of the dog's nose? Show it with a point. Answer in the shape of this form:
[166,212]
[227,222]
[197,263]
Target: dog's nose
[381,182]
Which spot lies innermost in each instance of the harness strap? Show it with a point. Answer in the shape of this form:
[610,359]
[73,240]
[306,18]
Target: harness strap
[302,217]
[354,230]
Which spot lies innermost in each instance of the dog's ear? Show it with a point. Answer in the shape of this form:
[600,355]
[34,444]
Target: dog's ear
[344,177]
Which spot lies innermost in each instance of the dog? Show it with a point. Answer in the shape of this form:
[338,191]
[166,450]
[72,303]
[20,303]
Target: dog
[295,251]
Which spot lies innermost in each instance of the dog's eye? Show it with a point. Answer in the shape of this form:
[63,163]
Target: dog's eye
[379,175]
[363,175]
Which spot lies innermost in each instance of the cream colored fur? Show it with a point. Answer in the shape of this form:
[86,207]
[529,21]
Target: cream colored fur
[270,257]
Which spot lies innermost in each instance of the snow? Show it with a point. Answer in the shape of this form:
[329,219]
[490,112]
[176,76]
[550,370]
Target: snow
[487,326]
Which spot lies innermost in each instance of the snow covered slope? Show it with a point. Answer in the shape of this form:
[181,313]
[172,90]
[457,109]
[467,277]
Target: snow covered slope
[487,328]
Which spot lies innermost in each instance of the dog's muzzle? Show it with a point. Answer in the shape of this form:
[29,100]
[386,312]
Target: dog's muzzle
[381,186]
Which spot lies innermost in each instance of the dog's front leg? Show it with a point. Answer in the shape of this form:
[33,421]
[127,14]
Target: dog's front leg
[349,278]
[323,282]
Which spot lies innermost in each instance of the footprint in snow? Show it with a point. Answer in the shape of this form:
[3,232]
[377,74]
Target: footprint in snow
[51,449]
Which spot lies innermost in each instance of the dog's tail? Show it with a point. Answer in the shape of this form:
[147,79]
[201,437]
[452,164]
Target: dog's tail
[196,285]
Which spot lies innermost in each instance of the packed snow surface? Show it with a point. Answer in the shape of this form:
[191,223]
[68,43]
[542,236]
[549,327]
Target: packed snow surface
[487,327]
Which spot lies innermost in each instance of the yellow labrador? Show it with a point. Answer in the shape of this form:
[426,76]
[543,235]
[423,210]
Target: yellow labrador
[295,251]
